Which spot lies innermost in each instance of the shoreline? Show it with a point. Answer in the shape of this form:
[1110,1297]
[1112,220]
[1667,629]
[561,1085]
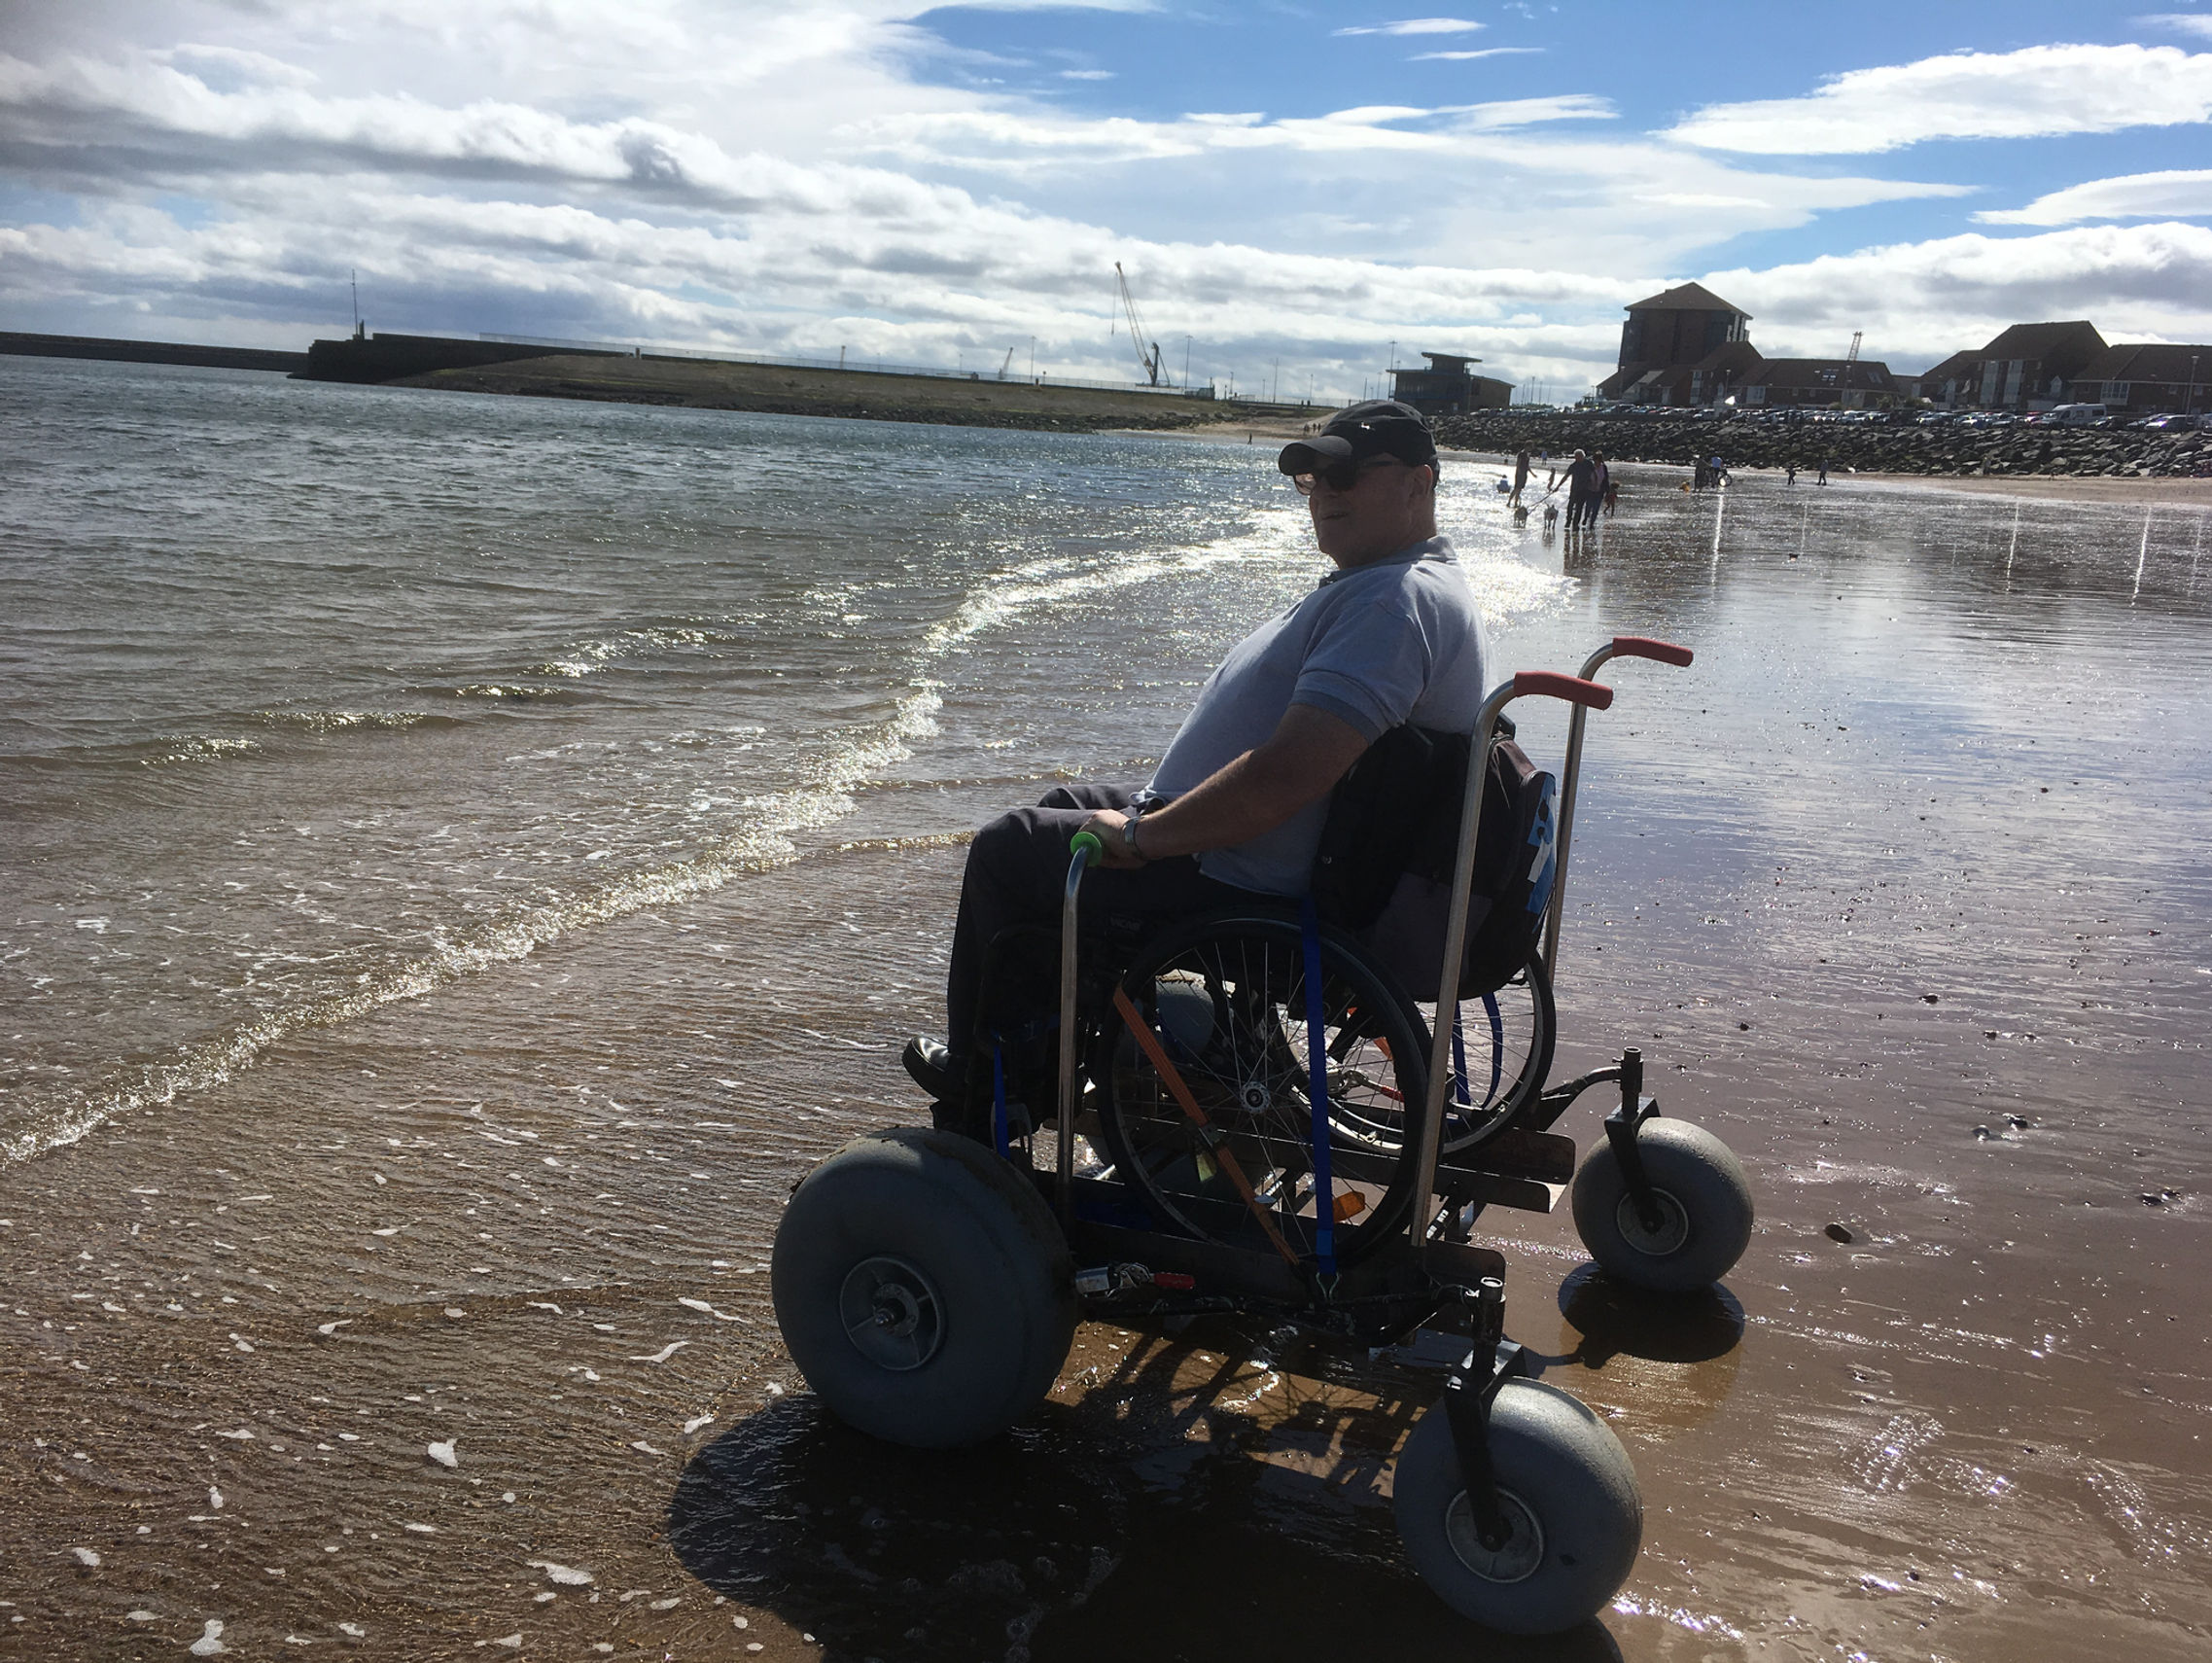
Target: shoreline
[2146,490]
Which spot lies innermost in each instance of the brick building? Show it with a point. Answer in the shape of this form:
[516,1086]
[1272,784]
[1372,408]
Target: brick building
[1667,339]
[2142,379]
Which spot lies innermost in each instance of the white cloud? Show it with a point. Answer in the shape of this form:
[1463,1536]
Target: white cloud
[2034,92]
[1418,26]
[1465,56]
[2131,196]
[2180,23]
[749,175]
[1921,301]
[1086,75]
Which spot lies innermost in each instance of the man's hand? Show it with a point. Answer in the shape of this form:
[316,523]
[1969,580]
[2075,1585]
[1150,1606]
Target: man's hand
[1106,827]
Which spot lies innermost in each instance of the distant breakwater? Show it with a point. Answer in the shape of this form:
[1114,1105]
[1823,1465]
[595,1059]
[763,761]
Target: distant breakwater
[1945,448]
[866,395]
[14,344]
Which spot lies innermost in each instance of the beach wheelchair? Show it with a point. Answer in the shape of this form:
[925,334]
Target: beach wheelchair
[1254,1116]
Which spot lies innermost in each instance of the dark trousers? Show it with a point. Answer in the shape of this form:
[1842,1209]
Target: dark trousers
[1017,872]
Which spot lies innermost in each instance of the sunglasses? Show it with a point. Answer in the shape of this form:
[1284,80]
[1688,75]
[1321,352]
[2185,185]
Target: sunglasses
[1343,476]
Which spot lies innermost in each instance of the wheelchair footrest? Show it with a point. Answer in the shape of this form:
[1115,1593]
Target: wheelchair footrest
[1520,1169]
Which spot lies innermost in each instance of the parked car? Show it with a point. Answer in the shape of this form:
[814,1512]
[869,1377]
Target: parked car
[2076,415]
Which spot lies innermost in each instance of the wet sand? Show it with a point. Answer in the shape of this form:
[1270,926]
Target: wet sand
[2142,492]
[1909,857]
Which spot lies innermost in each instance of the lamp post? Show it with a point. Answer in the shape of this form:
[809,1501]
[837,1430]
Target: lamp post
[2189,404]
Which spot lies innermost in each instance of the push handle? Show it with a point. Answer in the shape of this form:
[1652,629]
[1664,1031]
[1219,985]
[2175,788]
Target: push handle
[1087,845]
[1645,646]
[1550,683]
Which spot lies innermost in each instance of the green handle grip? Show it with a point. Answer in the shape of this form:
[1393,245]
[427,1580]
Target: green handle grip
[1087,844]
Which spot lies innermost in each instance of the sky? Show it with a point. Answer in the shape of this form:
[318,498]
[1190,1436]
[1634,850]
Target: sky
[1300,194]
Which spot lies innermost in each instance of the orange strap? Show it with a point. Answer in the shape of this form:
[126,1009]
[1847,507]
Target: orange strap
[1149,1043]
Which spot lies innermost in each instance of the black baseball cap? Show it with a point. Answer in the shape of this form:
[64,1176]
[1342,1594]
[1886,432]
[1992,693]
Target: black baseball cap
[1379,427]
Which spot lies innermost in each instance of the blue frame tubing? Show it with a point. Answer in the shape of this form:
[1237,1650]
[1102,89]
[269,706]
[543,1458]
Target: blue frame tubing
[1317,1090]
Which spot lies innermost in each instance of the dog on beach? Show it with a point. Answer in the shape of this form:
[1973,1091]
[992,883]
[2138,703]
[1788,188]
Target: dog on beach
[1551,516]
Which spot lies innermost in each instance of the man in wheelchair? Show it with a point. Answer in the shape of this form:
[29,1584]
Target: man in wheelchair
[1236,807]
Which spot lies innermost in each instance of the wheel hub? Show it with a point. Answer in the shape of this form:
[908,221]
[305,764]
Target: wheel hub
[892,1314]
[1516,1559]
[1670,1237]
[1253,1097]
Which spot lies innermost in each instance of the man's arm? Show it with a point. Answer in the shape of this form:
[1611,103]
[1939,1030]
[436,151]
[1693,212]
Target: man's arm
[1305,756]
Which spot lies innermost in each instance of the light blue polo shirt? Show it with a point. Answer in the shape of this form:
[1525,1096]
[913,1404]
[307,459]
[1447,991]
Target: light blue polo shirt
[1397,640]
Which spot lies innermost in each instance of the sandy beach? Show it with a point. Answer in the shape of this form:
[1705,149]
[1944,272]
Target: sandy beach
[518,862]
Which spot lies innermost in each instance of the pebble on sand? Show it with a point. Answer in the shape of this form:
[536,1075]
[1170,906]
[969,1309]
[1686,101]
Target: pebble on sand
[444,1454]
[210,1640]
[1837,1233]
[87,1557]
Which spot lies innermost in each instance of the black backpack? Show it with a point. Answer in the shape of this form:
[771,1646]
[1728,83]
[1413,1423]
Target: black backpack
[1382,871]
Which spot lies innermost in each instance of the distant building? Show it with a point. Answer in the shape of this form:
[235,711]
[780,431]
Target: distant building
[2143,380]
[1836,382]
[1956,379]
[1677,330]
[1447,387]
[2035,361]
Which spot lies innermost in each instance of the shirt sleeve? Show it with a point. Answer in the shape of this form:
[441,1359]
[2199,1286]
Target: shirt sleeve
[1367,666]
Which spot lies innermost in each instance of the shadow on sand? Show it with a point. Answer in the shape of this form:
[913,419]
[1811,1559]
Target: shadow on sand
[1182,1507]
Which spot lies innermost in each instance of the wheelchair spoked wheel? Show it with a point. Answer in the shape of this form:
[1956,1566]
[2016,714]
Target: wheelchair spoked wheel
[1225,1002]
[1508,1038]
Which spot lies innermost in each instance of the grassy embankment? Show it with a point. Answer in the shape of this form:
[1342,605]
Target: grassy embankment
[699,384]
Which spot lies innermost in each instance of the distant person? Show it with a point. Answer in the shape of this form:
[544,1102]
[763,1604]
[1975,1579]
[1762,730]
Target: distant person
[1581,481]
[1789,473]
[1600,481]
[1612,495]
[1823,479]
[1520,474]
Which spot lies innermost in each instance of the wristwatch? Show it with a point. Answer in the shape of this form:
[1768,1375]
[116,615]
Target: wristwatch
[1129,836]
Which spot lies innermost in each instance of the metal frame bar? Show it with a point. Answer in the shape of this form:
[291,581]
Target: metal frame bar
[1527,683]
[1620,647]
[1086,852]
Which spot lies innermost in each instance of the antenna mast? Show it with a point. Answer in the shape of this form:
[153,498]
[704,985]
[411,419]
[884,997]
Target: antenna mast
[353,276]
[1150,360]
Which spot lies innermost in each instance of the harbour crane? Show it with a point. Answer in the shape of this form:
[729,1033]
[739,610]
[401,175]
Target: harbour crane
[1147,353]
[1007,365]
[1857,336]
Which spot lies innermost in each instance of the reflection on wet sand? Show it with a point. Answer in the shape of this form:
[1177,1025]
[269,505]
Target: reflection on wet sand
[1659,1366]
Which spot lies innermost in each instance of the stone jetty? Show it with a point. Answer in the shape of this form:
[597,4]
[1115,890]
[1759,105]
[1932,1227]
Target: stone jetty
[1942,448]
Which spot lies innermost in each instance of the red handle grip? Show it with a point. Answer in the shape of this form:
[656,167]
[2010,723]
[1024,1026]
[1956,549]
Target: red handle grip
[1644,647]
[1549,683]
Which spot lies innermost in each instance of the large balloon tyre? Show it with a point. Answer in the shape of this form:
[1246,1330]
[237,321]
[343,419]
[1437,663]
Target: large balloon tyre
[1569,1498]
[923,1289]
[1705,1206]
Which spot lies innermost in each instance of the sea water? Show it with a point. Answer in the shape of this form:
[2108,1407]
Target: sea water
[316,697]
